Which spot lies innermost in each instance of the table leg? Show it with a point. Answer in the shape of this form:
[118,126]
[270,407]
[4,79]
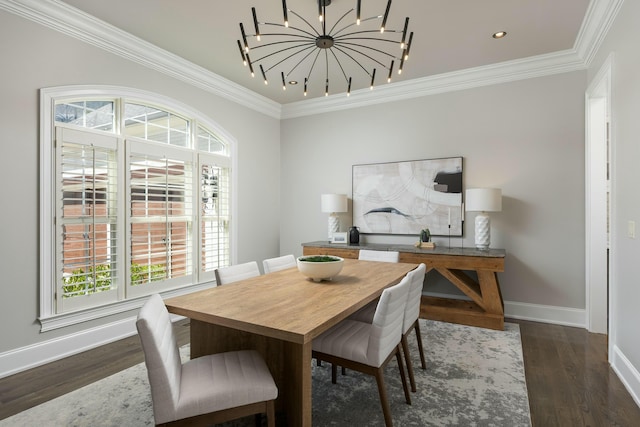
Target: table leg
[297,364]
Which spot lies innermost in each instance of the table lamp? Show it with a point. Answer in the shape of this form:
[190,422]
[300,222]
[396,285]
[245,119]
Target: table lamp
[333,204]
[483,200]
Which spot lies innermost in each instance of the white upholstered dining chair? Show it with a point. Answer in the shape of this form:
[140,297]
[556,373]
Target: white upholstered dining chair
[383,256]
[410,321]
[206,390]
[368,347]
[233,273]
[279,263]
[366,314]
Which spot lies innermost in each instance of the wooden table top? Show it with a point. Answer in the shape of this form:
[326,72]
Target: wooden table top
[288,306]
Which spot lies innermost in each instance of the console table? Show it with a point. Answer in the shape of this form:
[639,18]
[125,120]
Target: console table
[485,307]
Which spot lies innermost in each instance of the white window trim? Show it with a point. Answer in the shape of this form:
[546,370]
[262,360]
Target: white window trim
[49,320]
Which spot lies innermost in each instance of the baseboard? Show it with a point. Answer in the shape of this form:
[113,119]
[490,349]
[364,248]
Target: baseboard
[565,316]
[627,373]
[21,359]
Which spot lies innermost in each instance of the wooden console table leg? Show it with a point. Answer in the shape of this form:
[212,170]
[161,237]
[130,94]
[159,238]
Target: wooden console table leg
[491,294]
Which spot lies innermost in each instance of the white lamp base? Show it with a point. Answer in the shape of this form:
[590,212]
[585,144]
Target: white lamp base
[333,225]
[483,231]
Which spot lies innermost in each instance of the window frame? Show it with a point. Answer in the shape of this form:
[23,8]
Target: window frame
[48,317]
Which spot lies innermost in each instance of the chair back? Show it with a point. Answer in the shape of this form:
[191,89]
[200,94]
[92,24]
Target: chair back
[386,328]
[279,263]
[412,310]
[161,356]
[233,273]
[383,256]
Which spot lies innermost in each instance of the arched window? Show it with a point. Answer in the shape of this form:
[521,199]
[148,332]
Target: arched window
[136,199]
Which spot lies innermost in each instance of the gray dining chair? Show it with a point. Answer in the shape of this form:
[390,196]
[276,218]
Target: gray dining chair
[383,256]
[236,272]
[203,391]
[368,347]
[279,263]
[410,321]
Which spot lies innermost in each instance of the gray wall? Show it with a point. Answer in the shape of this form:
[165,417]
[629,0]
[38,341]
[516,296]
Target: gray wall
[34,57]
[525,137]
[622,40]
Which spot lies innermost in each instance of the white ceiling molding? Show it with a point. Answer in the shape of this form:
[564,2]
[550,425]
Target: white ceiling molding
[538,66]
[597,21]
[70,21]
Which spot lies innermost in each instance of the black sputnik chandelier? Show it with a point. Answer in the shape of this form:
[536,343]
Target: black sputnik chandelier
[292,50]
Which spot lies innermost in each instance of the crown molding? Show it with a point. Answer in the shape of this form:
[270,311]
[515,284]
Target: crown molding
[595,26]
[68,20]
[538,66]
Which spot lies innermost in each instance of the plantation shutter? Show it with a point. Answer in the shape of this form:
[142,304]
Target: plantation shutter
[86,219]
[160,212]
[214,214]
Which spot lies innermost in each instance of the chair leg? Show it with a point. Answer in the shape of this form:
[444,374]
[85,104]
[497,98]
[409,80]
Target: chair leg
[382,392]
[271,414]
[334,373]
[405,386]
[407,359]
[419,338]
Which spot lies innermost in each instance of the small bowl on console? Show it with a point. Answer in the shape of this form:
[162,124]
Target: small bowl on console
[320,267]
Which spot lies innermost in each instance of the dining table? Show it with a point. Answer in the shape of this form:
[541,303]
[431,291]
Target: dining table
[279,314]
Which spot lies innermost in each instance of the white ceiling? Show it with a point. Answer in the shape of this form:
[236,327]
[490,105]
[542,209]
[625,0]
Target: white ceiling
[449,35]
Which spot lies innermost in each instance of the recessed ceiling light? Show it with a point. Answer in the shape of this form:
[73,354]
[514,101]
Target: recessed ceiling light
[293,82]
[499,34]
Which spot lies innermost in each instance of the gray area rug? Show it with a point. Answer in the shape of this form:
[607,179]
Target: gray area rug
[474,377]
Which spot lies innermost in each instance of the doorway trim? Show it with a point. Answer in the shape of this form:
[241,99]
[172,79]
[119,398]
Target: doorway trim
[598,200]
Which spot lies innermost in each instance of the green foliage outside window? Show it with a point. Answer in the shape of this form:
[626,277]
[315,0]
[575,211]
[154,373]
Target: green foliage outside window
[81,281]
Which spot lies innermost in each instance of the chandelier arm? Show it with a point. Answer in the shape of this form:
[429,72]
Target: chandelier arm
[305,21]
[338,21]
[290,56]
[263,45]
[344,51]
[275,24]
[326,61]
[300,62]
[365,20]
[345,44]
[366,32]
[300,47]
[340,65]
[362,21]
[313,64]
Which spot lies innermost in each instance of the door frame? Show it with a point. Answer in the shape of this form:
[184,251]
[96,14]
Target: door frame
[598,212]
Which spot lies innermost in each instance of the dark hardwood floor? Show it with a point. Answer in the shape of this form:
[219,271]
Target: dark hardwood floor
[569,380]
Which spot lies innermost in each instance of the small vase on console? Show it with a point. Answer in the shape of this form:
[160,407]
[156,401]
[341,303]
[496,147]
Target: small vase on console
[354,236]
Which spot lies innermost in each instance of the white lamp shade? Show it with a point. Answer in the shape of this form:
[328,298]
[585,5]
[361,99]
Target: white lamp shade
[331,203]
[483,200]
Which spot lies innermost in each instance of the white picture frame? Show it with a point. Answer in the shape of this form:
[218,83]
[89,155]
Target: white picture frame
[339,237]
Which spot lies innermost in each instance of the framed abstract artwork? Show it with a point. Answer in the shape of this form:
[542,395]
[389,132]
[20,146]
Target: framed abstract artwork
[405,197]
